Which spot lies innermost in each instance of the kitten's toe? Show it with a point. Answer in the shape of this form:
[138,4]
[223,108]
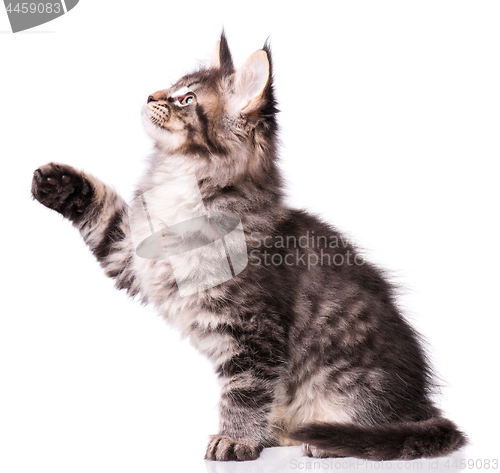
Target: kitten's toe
[222,448]
[61,188]
[315,452]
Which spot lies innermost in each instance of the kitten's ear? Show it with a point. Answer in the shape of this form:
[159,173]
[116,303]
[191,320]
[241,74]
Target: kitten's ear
[223,58]
[250,83]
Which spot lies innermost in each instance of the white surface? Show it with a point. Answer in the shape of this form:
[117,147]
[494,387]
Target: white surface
[390,124]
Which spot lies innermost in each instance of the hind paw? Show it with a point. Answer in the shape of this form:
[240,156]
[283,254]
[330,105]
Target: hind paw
[316,452]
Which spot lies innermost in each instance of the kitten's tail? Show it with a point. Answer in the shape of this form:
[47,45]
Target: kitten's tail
[434,437]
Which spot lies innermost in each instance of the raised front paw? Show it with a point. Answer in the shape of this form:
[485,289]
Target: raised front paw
[222,448]
[62,188]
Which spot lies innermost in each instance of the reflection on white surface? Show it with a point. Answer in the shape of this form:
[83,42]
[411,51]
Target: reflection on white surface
[289,459]
[271,460]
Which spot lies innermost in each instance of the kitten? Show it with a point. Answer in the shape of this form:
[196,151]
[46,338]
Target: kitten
[307,340]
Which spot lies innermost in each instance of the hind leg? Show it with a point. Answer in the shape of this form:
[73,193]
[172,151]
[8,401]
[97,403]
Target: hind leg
[316,452]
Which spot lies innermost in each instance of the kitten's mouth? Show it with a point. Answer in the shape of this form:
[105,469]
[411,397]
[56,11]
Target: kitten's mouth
[157,113]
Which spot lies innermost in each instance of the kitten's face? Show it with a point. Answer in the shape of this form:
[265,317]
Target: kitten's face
[189,116]
[215,111]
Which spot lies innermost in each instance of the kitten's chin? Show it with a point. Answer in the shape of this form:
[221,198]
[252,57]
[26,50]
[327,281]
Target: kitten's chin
[167,140]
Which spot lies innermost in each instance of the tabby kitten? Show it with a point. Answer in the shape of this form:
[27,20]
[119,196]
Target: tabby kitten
[307,340]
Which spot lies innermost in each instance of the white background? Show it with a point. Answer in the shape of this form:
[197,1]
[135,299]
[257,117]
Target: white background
[390,128]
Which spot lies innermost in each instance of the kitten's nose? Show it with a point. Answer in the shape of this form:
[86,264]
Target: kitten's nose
[157,96]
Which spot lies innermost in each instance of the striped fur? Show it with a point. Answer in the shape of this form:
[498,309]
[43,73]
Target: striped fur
[312,354]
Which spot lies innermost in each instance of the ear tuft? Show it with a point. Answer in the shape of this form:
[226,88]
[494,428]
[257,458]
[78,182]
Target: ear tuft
[250,82]
[223,58]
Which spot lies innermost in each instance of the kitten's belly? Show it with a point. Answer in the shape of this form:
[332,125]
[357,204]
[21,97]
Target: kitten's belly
[157,279]
[158,284]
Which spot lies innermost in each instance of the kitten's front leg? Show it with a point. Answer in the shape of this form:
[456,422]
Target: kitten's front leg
[244,409]
[96,210]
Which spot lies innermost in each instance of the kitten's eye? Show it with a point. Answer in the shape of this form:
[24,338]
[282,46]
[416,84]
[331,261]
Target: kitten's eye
[187,99]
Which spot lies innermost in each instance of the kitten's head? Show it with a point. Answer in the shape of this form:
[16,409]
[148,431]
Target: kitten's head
[218,114]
